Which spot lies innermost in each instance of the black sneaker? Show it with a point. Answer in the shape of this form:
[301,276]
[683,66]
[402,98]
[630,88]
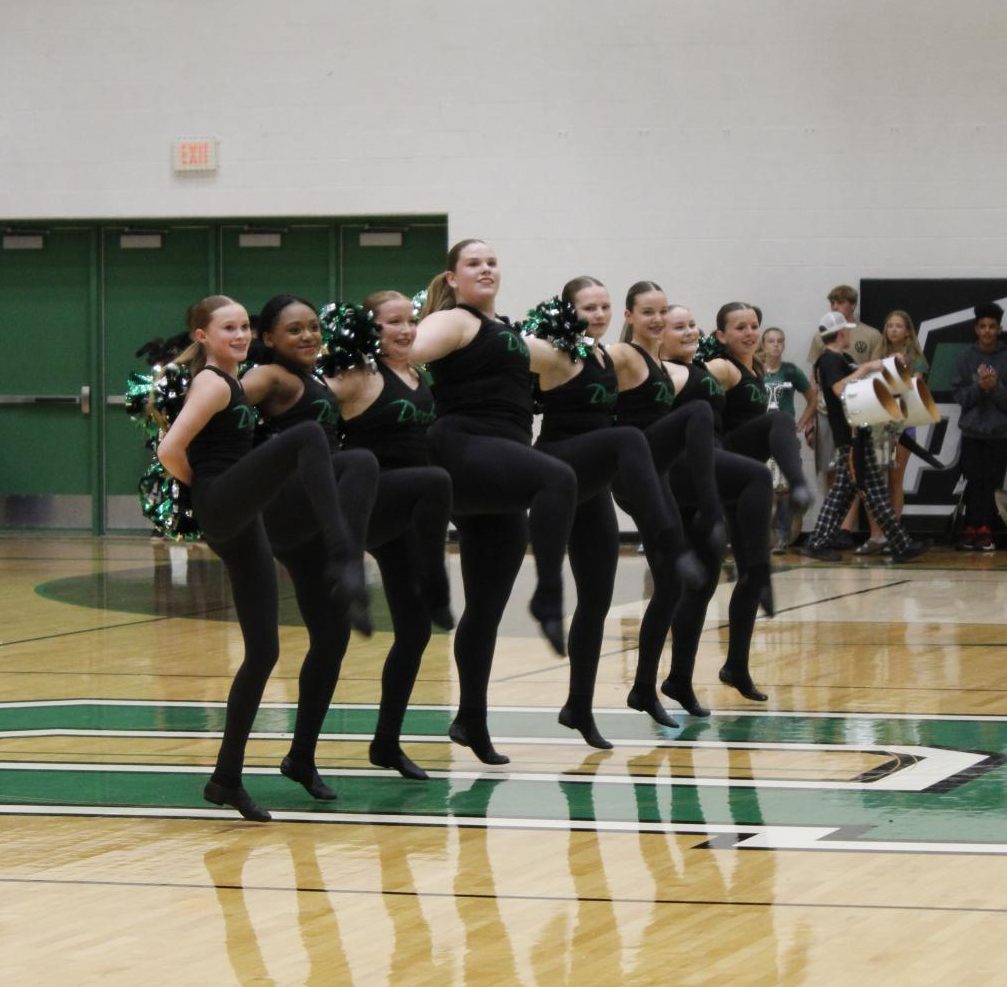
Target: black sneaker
[823,554]
[912,551]
[843,539]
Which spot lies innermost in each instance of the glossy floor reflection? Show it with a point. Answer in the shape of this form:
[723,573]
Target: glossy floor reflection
[851,829]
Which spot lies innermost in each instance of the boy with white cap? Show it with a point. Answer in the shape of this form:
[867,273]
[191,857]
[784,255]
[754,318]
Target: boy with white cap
[833,371]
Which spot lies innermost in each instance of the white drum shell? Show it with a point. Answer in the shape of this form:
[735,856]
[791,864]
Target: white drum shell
[898,378]
[869,402]
[918,406]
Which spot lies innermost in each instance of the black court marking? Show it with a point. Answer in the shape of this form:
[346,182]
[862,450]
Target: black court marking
[477,896]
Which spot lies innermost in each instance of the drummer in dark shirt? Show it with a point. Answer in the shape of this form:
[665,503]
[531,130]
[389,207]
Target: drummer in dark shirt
[856,466]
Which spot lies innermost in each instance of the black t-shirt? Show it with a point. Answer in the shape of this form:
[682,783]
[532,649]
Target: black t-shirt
[831,368]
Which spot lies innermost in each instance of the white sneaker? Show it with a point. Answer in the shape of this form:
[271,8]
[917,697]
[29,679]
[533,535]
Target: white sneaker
[871,547]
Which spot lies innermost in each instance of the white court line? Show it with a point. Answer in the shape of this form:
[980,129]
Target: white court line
[749,837]
[618,710]
[934,766]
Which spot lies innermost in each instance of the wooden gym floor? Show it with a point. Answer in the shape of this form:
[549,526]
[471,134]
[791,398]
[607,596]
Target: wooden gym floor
[852,830]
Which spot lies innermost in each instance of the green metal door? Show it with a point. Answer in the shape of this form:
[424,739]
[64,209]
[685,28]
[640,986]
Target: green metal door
[403,257]
[150,277]
[296,259]
[48,307]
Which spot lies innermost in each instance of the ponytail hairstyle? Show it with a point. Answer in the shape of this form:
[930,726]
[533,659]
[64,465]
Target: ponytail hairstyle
[197,316]
[640,288]
[168,388]
[440,295]
[724,311]
[376,299]
[573,287]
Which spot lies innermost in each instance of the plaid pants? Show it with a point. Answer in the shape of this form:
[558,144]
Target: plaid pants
[841,495]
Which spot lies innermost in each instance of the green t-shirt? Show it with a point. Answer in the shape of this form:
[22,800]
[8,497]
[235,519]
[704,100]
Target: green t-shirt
[782,384]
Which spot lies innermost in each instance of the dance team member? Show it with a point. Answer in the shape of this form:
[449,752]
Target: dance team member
[209,447]
[288,392]
[648,388]
[746,490]
[388,412]
[751,428]
[481,371]
[578,391]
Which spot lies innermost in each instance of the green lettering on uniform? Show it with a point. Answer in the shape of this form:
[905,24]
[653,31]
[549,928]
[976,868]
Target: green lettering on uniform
[327,413]
[756,395]
[664,393]
[515,344]
[600,394]
[246,416]
[408,412]
[713,385]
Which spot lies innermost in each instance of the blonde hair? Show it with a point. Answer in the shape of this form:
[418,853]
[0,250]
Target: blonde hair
[197,316]
[440,295]
[912,350]
[376,299]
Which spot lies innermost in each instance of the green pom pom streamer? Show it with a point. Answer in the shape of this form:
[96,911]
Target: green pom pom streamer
[351,337]
[556,321]
[166,505]
[710,348]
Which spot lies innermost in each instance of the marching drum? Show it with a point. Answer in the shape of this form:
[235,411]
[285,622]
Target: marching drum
[868,401]
[918,405]
[898,377]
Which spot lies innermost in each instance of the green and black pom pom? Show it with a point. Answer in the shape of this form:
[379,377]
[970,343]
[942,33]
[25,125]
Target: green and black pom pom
[351,337]
[556,321]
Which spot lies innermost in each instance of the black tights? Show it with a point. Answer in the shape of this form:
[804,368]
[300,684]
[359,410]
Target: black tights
[406,536]
[746,489]
[771,435]
[495,480]
[598,458]
[228,507]
[294,539]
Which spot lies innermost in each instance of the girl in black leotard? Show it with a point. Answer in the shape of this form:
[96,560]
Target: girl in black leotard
[578,397]
[288,392]
[388,413]
[209,447]
[747,492]
[482,437]
[682,442]
[750,427]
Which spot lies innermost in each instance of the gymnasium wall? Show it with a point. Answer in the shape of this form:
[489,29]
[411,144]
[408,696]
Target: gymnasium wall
[727,148]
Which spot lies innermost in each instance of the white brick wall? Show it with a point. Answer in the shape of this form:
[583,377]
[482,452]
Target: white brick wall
[763,149]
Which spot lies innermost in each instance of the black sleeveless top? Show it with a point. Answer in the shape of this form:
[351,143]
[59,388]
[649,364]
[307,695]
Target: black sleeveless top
[488,381]
[226,437]
[748,399]
[703,386]
[644,404]
[316,404]
[583,404]
[394,427]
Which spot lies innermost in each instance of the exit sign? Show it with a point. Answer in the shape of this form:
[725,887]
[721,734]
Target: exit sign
[194,154]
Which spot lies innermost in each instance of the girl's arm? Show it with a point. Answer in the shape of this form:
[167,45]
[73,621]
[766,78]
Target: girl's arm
[724,372]
[811,405]
[207,395]
[441,333]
